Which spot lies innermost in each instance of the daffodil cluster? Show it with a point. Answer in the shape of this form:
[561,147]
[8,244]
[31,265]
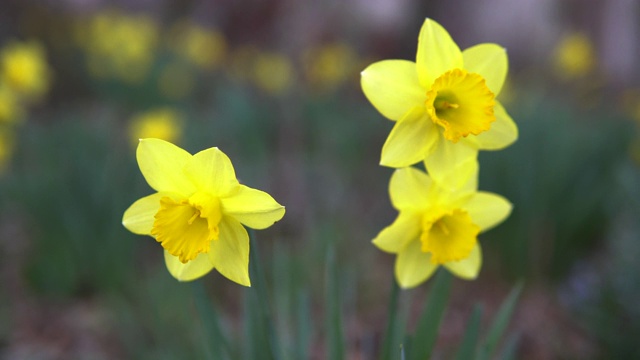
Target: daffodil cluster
[445,108]
[198,211]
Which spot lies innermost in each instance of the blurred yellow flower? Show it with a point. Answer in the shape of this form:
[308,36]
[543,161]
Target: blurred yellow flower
[444,104]
[574,56]
[121,45]
[24,69]
[204,47]
[10,108]
[162,123]
[198,211]
[273,73]
[328,66]
[439,222]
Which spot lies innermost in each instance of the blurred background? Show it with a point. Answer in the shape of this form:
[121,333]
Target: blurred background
[275,85]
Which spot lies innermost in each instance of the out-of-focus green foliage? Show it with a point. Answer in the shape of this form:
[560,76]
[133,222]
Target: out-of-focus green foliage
[560,176]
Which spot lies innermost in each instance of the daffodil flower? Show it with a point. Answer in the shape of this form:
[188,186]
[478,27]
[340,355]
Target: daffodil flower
[24,69]
[198,211]
[439,225]
[444,104]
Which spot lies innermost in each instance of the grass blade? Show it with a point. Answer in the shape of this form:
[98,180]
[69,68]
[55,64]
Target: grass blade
[500,322]
[470,340]
[388,347]
[427,332]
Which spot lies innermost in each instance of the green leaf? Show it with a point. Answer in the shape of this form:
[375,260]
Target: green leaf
[469,341]
[500,322]
[510,348]
[427,332]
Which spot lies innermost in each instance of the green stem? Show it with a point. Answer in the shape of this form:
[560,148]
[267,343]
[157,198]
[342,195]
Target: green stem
[391,323]
[213,337]
[259,284]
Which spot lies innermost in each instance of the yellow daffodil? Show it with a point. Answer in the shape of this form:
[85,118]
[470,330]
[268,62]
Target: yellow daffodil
[162,123]
[25,69]
[273,73]
[444,104]
[198,211]
[202,46]
[328,66]
[439,222]
[574,56]
[121,45]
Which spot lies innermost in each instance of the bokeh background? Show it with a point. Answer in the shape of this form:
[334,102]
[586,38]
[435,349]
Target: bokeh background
[275,85]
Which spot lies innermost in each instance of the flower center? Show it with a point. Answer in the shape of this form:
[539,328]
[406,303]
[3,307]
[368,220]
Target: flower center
[461,103]
[186,227]
[449,237]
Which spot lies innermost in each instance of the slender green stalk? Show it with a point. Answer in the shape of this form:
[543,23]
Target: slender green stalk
[388,346]
[215,342]
[500,322]
[469,343]
[427,332]
[259,283]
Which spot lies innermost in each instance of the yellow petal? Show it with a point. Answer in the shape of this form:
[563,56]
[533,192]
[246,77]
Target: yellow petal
[394,237]
[413,266]
[459,179]
[192,270]
[139,217]
[409,188]
[254,208]
[468,268]
[230,253]
[448,158]
[392,87]
[410,140]
[212,172]
[161,164]
[437,53]
[487,209]
[503,132]
[490,61]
